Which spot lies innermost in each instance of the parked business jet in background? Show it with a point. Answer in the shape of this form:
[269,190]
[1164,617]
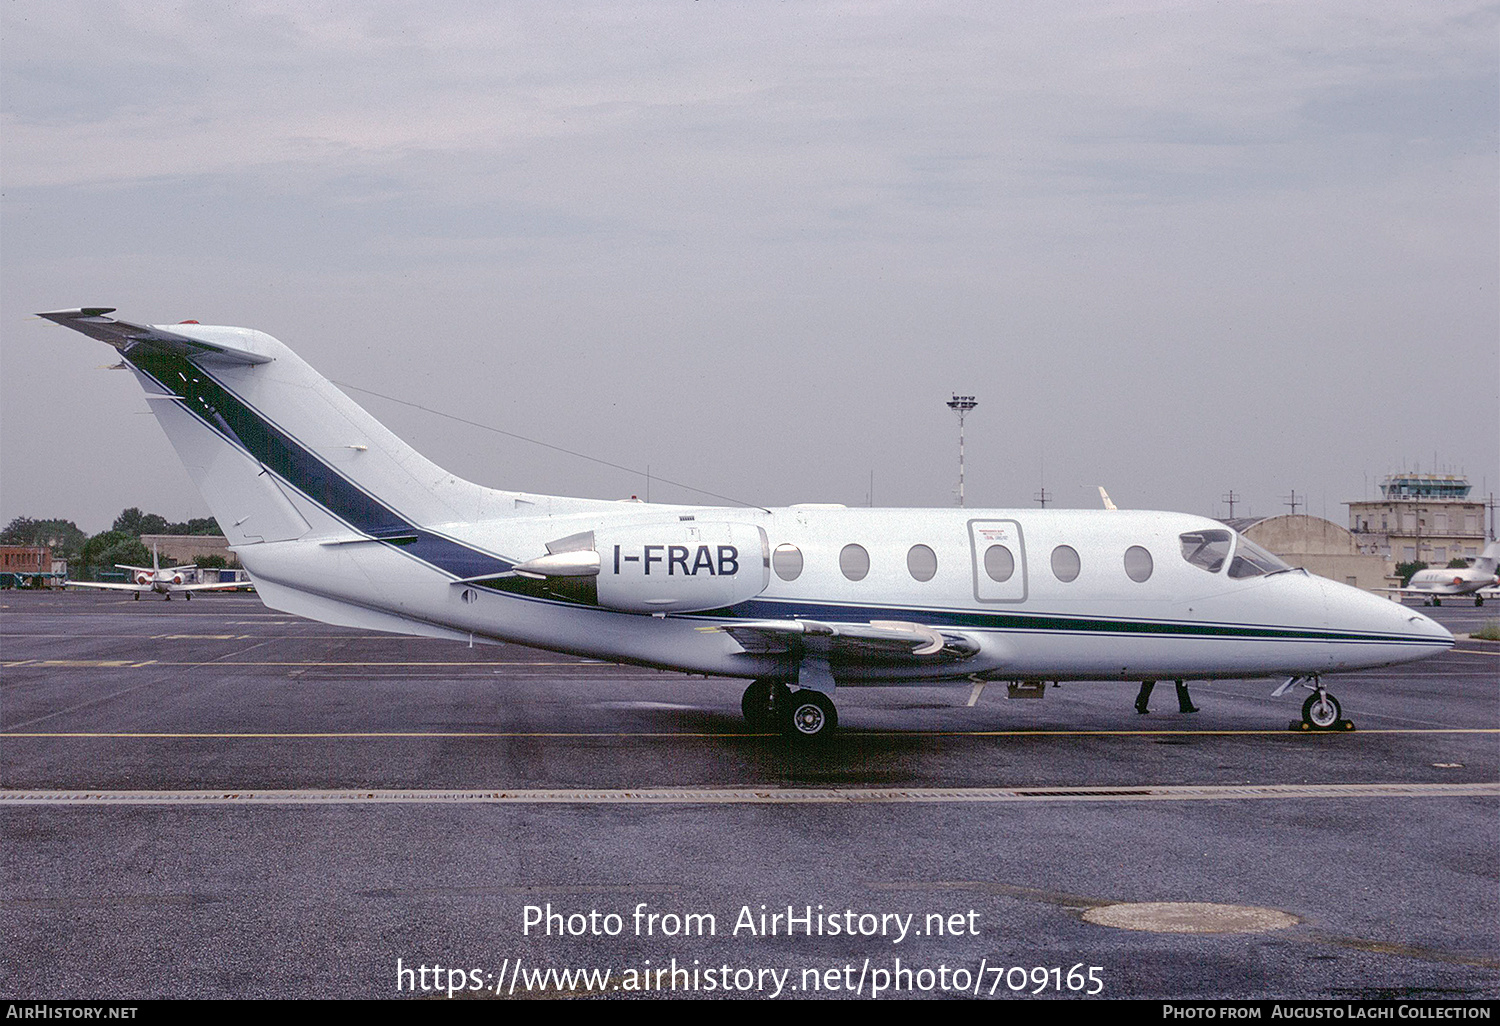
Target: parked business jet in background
[163,580]
[338,520]
[1436,584]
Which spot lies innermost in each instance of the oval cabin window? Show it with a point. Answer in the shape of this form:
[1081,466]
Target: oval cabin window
[921,563]
[1138,564]
[787,562]
[999,563]
[854,561]
[1065,563]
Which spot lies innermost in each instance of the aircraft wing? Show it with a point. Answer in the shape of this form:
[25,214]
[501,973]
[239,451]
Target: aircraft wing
[890,637]
[108,586]
[125,336]
[1440,590]
[220,586]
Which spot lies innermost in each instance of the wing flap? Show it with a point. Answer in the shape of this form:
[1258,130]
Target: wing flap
[892,637]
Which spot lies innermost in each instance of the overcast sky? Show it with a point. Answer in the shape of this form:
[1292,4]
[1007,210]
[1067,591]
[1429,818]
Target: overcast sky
[1173,248]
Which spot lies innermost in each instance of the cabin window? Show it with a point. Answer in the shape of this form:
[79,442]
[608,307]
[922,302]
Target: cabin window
[1206,550]
[921,562]
[999,563]
[1065,563]
[1250,560]
[787,562]
[1138,564]
[854,561]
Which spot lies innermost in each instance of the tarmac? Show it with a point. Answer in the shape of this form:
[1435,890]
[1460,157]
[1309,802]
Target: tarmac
[209,799]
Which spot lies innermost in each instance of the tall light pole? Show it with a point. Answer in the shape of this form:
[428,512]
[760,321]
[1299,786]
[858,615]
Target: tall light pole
[961,405]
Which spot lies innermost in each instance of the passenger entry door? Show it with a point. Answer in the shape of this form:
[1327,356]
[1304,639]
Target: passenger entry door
[999,560]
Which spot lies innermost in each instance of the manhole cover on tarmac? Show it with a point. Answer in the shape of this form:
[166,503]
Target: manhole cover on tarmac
[1189,917]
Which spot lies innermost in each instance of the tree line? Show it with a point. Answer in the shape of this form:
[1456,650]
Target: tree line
[89,557]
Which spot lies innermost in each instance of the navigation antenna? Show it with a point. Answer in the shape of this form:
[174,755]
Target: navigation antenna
[1231,498]
[961,405]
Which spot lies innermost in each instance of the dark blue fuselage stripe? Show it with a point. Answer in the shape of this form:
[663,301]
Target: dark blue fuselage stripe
[772,609]
[234,419]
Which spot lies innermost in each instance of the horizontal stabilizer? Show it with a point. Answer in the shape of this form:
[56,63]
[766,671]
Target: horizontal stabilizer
[347,614]
[125,336]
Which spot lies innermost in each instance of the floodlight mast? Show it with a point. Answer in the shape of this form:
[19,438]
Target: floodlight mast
[961,405]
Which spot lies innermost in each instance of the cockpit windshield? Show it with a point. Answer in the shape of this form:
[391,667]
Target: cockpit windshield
[1250,560]
[1206,550]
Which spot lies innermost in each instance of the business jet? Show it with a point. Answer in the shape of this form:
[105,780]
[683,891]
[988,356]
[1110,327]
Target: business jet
[158,579]
[1436,584]
[339,520]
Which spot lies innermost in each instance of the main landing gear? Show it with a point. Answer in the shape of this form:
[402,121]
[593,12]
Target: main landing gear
[1321,711]
[803,714]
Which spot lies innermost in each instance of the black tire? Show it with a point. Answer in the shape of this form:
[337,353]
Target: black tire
[810,716]
[1321,711]
[762,702]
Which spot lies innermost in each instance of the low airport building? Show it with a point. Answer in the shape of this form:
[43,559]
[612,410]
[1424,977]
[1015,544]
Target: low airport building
[24,566]
[189,548]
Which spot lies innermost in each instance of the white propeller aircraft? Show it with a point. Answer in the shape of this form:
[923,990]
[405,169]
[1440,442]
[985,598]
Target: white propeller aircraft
[339,520]
[1436,584]
[163,580]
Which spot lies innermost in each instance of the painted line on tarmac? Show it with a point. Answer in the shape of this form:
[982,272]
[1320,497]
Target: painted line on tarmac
[131,663]
[741,795]
[401,735]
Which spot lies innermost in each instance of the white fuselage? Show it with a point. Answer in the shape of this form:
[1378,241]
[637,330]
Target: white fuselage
[1180,621]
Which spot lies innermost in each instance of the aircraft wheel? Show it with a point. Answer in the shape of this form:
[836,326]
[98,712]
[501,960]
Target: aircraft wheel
[187,596]
[137,596]
[811,715]
[1321,711]
[762,700]
[1437,601]
[1478,601]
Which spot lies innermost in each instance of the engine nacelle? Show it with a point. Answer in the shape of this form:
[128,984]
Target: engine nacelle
[675,567]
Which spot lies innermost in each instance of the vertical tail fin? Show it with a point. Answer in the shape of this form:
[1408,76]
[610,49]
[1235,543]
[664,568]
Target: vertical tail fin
[277,451]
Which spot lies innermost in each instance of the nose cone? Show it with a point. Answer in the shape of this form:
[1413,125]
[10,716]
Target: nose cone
[1421,624]
[1389,631]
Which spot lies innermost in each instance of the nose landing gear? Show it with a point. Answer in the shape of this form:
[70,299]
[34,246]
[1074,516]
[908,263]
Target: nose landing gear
[1321,711]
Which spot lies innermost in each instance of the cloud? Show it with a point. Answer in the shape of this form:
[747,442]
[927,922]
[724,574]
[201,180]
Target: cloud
[1104,218]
